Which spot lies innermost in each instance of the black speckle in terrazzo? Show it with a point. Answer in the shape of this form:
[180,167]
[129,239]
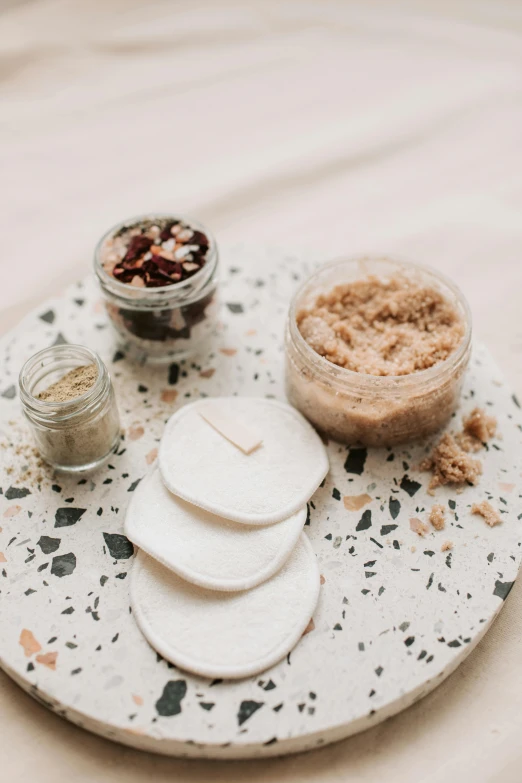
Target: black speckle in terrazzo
[60,340]
[56,488]
[515,400]
[365,521]
[206,705]
[448,560]
[134,485]
[430,582]
[452,505]
[395,506]
[9,393]
[336,494]
[169,703]
[355,460]
[103,580]
[409,641]
[387,529]
[118,356]
[247,709]
[48,316]
[119,546]
[409,486]
[65,517]
[428,552]
[48,544]
[235,307]
[502,589]
[63,565]
[173,373]
[15,493]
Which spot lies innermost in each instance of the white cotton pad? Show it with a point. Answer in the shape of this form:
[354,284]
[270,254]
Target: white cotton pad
[204,549]
[216,634]
[273,482]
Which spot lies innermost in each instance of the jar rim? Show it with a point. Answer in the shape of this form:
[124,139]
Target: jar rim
[138,296]
[67,407]
[382,382]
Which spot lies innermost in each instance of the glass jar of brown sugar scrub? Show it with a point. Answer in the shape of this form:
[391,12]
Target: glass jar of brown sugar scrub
[376,350]
[158,274]
[68,399]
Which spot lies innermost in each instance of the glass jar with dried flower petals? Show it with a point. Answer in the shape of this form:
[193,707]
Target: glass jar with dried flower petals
[158,274]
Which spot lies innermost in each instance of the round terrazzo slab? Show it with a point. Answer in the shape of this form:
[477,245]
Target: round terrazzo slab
[204,549]
[395,615]
[274,481]
[216,634]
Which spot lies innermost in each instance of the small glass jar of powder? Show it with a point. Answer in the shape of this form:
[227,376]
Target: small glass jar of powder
[68,398]
[158,274]
[376,350]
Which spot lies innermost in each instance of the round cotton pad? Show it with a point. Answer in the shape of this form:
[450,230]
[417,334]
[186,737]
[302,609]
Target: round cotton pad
[217,634]
[268,485]
[204,549]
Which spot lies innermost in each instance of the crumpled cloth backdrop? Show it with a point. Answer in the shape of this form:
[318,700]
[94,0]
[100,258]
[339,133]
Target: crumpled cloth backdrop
[329,127]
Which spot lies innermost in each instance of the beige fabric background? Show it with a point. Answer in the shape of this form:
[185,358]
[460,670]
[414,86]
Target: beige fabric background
[331,126]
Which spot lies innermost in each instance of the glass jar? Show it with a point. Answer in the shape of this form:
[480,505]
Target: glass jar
[79,434]
[165,323]
[371,410]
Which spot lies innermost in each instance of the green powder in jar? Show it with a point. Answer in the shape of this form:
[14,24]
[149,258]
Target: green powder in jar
[75,383]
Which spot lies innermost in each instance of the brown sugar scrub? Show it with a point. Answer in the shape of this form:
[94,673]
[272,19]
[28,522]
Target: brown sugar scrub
[376,350]
[437,517]
[382,327]
[450,462]
[490,515]
[478,428]
[158,274]
[68,399]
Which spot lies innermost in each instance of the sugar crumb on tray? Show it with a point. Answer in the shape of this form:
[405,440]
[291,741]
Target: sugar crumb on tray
[450,464]
[478,428]
[484,509]
[446,546]
[437,518]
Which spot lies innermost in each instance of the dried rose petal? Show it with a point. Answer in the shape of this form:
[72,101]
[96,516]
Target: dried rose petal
[137,246]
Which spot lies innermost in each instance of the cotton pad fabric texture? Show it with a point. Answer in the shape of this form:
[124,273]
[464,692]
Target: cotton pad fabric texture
[204,549]
[268,485]
[229,635]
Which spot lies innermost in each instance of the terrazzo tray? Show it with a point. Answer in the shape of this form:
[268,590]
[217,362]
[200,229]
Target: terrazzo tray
[396,614]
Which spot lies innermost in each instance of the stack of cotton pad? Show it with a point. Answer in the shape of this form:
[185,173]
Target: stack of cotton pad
[225,581]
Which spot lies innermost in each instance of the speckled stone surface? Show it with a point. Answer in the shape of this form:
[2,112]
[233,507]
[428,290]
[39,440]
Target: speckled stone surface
[395,616]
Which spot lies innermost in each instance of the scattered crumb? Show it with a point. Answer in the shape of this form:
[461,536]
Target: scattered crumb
[437,517]
[486,510]
[478,429]
[446,545]
[418,526]
[450,464]
[413,549]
